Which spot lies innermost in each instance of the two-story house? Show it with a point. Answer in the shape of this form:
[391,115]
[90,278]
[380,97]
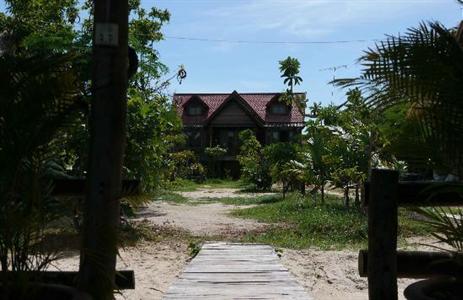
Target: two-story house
[216,119]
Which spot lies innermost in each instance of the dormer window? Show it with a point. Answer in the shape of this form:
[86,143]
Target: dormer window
[195,109]
[279,109]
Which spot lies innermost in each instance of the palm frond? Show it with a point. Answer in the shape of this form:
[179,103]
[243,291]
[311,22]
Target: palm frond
[424,67]
[37,96]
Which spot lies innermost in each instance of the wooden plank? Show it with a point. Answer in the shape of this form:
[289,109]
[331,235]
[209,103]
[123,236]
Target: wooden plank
[236,271]
[382,235]
[124,279]
[421,194]
[415,264]
[77,187]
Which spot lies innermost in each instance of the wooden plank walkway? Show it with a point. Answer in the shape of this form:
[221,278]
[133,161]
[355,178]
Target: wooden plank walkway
[236,271]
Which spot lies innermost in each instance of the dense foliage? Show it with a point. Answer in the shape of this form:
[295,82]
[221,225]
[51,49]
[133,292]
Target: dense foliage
[43,88]
[45,106]
[153,129]
[66,27]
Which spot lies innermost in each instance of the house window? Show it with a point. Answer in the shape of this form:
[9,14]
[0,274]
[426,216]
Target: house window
[284,136]
[279,109]
[275,136]
[291,135]
[194,110]
[194,138]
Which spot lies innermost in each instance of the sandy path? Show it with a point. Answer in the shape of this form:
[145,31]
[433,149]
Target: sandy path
[203,219]
[200,220]
[324,274]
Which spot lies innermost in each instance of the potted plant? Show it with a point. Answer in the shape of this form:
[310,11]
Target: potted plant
[447,225]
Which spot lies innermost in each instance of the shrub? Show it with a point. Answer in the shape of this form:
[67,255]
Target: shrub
[255,169]
[213,154]
[278,156]
[184,165]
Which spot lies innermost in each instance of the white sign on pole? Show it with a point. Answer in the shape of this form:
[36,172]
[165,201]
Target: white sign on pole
[106,34]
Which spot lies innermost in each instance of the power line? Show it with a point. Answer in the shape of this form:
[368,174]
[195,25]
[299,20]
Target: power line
[211,40]
[198,39]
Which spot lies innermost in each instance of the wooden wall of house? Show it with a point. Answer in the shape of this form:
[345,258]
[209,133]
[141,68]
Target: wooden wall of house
[233,115]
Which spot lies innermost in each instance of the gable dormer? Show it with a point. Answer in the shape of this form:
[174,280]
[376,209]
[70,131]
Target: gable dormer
[277,107]
[195,107]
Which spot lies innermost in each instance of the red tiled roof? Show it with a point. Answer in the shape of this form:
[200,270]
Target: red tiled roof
[256,101]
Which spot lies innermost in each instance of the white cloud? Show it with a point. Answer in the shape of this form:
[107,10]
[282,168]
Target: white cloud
[303,18]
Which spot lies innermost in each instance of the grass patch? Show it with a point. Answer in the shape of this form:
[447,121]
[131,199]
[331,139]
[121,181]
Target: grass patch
[136,232]
[410,226]
[258,199]
[185,185]
[222,183]
[60,239]
[169,196]
[298,222]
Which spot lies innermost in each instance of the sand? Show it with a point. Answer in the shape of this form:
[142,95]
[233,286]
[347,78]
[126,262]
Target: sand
[156,266]
[328,275]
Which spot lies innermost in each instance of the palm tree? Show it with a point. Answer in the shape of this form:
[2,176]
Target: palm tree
[290,72]
[424,68]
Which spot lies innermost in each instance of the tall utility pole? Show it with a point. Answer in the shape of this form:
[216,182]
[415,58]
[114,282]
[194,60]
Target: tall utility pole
[107,139]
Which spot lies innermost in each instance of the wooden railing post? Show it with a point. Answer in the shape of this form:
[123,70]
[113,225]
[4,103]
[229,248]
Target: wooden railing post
[382,235]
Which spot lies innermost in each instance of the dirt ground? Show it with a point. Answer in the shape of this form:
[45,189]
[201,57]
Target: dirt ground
[324,274]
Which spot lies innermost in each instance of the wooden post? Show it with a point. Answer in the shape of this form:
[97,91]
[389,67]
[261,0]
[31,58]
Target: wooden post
[210,136]
[124,279]
[415,194]
[107,139]
[382,235]
[416,264]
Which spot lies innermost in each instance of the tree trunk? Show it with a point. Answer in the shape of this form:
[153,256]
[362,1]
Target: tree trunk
[323,193]
[107,138]
[285,189]
[357,195]
[346,196]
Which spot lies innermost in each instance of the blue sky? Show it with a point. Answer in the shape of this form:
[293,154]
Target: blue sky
[224,67]
[250,67]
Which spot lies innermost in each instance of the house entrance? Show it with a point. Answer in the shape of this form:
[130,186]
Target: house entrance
[227,138]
